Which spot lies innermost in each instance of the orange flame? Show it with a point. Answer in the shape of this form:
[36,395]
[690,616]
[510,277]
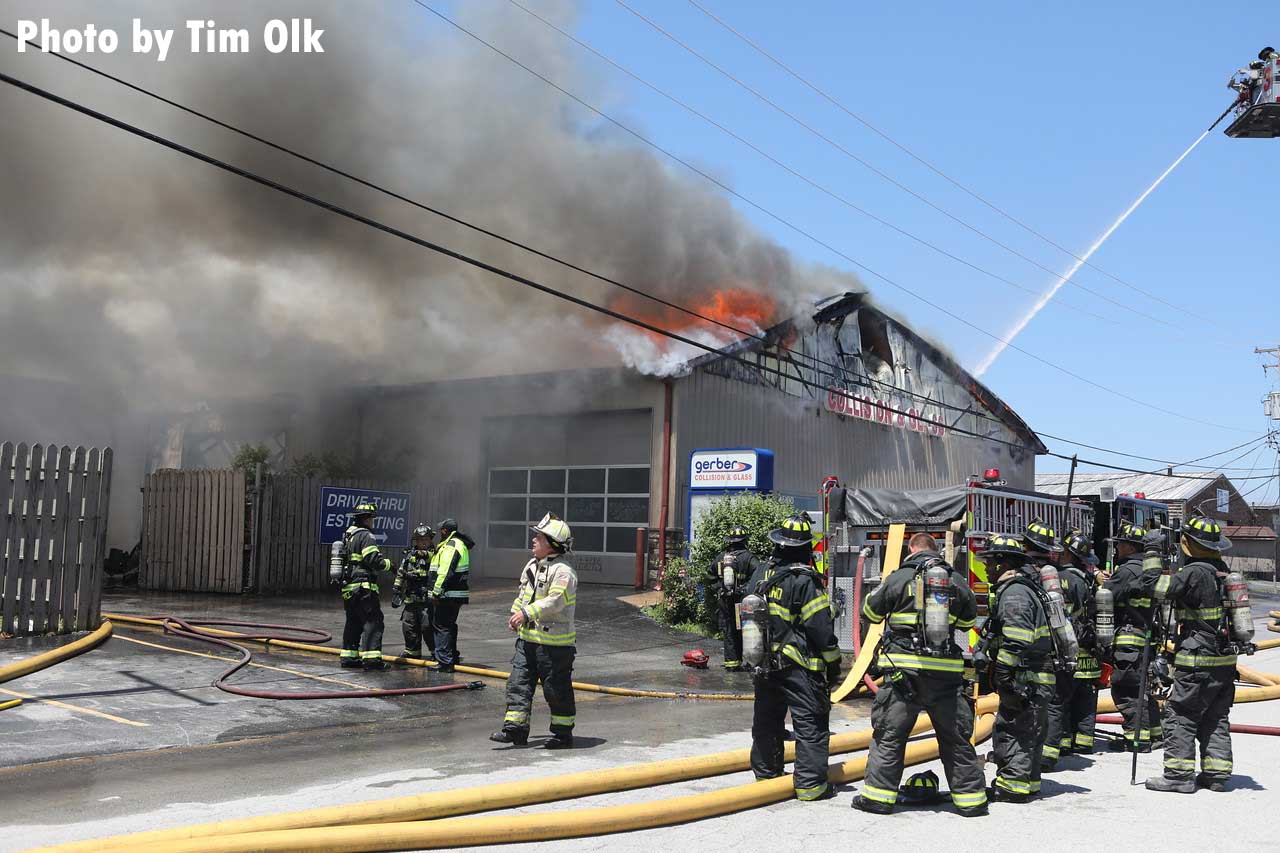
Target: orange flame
[738,307]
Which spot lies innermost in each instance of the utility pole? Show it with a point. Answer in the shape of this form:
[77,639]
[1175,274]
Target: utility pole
[1271,406]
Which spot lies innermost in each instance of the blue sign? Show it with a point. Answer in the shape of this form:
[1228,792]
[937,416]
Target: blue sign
[390,526]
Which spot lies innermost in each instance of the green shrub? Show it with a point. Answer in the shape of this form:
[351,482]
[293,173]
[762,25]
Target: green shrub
[684,595]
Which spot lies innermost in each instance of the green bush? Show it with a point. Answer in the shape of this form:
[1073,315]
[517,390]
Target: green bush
[249,456]
[684,597]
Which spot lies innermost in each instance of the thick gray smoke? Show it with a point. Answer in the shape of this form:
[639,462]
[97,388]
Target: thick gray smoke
[133,269]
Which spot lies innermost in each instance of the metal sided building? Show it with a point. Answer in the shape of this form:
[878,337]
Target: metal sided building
[848,390]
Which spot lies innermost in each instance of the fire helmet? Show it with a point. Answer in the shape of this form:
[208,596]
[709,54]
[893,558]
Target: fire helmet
[1205,532]
[1041,537]
[794,532]
[555,529]
[921,788]
[696,658]
[364,508]
[423,531]
[737,535]
[1078,545]
[449,525]
[1006,547]
[1129,532]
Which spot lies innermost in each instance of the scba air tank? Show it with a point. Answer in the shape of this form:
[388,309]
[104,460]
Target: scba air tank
[1236,599]
[336,561]
[937,606]
[1104,624]
[1064,632]
[754,611]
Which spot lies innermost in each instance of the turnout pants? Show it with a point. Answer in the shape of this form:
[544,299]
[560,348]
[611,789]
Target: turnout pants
[1058,731]
[892,717]
[1082,713]
[362,634]
[1017,739]
[732,634]
[804,693]
[1198,711]
[551,665]
[1125,683]
[444,624]
[415,621]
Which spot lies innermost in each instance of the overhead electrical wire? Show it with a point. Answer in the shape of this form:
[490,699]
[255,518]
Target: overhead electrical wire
[844,150]
[795,172]
[931,167]
[616,315]
[816,240]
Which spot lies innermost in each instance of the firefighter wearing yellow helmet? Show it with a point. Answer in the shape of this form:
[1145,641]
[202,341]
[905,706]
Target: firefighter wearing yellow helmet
[362,634]
[542,617]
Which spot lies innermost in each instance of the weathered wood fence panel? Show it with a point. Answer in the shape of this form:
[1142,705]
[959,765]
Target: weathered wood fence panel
[53,528]
[193,531]
[292,557]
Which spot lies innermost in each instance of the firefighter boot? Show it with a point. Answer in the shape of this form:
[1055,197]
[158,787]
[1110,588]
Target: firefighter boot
[1177,786]
[975,811]
[1209,782]
[519,738]
[559,741]
[861,803]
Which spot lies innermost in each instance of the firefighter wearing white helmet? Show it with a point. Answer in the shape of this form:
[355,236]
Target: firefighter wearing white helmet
[542,617]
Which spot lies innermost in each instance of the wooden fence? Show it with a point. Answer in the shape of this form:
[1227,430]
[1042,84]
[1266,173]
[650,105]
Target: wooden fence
[53,530]
[193,531]
[291,556]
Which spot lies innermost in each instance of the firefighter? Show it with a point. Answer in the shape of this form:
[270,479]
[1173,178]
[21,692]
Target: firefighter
[413,581]
[1079,584]
[1133,583]
[1043,549]
[801,665]
[1017,636]
[1204,667]
[362,635]
[737,563]
[542,617]
[451,588]
[922,674]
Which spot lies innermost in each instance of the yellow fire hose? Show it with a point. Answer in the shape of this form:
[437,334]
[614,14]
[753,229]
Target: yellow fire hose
[506,829]
[12,703]
[1274,624]
[470,670]
[55,656]
[892,558]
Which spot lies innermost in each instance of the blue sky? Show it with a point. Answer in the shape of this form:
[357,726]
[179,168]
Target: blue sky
[1061,116]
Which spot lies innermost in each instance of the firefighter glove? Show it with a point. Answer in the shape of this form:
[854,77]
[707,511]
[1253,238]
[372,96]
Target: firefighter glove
[833,674]
[396,601]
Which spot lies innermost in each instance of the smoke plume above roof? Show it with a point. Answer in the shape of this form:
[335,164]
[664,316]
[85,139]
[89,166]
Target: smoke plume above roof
[132,268]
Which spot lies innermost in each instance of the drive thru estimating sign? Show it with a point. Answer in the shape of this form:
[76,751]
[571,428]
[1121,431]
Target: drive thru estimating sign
[390,525]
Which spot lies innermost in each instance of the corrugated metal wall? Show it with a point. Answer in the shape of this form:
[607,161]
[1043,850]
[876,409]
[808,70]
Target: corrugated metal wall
[809,442]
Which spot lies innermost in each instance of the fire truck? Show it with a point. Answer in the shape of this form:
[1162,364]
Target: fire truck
[961,518]
[1110,510]
[1257,105]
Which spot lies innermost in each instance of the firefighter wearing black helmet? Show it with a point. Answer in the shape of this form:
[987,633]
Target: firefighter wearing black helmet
[413,581]
[728,577]
[450,590]
[1204,666]
[1079,584]
[1133,584]
[1016,639]
[362,634]
[802,664]
[921,677]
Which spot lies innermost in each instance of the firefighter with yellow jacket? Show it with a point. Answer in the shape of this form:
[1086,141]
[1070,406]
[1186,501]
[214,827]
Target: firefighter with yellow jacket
[542,617]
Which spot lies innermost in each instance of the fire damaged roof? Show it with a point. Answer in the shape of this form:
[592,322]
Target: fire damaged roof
[841,305]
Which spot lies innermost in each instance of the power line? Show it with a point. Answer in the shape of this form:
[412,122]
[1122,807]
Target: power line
[817,241]
[844,150]
[1165,462]
[795,172]
[458,256]
[1020,223]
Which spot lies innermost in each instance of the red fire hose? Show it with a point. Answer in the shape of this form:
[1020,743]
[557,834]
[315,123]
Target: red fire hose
[184,628]
[857,618]
[1236,728]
